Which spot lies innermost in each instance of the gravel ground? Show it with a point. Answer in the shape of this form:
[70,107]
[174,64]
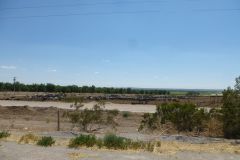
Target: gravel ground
[109,106]
[14,151]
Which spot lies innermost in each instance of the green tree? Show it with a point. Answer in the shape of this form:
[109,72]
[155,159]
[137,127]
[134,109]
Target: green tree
[50,87]
[231,111]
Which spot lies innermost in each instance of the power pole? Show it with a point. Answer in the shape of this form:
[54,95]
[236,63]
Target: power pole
[14,84]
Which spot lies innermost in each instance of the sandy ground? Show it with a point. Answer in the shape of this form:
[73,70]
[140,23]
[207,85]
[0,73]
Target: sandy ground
[42,122]
[109,106]
[14,151]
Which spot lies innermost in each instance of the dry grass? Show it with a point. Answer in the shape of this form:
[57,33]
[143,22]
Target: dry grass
[164,147]
[174,147]
[28,139]
[77,156]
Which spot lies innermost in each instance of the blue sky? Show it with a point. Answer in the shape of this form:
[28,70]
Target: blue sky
[128,43]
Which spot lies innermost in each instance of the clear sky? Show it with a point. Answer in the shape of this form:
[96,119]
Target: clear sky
[121,43]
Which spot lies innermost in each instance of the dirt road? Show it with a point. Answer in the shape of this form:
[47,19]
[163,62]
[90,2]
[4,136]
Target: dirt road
[109,106]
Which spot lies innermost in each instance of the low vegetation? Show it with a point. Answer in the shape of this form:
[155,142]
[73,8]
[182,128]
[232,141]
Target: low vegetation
[4,134]
[184,117]
[94,119]
[126,114]
[231,111]
[111,141]
[83,140]
[188,118]
[46,141]
[29,139]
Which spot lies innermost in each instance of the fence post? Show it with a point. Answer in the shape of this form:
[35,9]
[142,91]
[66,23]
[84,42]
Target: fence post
[58,120]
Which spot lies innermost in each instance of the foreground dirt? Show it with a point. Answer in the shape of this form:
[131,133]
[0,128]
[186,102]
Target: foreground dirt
[14,151]
[42,121]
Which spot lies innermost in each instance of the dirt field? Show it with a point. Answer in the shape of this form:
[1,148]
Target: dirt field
[109,106]
[40,119]
[201,101]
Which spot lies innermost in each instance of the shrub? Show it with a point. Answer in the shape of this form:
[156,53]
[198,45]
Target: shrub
[231,113]
[126,114]
[28,138]
[215,123]
[149,147]
[185,117]
[46,141]
[113,112]
[4,134]
[150,121]
[90,120]
[200,119]
[99,143]
[112,141]
[135,145]
[83,140]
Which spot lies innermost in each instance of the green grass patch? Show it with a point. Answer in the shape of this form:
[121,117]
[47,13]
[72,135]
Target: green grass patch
[4,134]
[84,140]
[110,141]
[46,142]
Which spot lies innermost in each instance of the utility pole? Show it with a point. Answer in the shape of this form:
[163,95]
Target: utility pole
[14,84]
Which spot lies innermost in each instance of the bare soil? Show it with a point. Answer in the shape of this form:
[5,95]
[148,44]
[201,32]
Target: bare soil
[63,105]
[41,119]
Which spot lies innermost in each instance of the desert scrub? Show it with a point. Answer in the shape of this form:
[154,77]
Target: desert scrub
[111,141]
[99,143]
[83,140]
[4,134]
[28,139]
[136,145]
[46,141]
[126,114]
[149,147]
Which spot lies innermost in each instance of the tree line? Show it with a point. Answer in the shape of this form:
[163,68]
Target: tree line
[76,89]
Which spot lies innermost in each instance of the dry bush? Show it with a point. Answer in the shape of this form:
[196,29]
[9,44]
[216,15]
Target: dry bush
[215,128]
[28,139]
[94,119]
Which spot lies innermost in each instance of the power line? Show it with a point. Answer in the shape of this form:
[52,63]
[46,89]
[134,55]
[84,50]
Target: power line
[114,13]
[82,4]
[217,10]
[85,14]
